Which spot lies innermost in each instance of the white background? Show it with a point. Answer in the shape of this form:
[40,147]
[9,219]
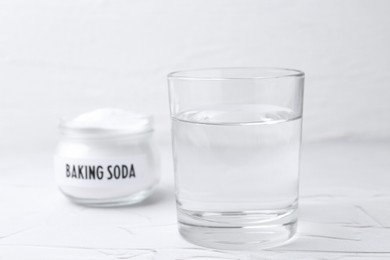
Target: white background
[66,57]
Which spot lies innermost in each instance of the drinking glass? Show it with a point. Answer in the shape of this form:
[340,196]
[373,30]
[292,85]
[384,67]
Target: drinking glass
[236,135]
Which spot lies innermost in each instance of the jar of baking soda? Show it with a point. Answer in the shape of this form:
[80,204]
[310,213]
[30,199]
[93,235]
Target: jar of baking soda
[107,157]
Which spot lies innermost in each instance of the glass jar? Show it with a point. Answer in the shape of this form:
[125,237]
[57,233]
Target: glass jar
[100,163]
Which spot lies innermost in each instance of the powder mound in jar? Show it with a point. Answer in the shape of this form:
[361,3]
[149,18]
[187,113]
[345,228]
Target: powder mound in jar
[110,119]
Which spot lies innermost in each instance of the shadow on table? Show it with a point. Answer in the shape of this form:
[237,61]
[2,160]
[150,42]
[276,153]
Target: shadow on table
[160,195]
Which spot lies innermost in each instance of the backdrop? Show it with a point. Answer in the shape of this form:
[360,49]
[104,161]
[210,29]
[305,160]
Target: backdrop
[66,57]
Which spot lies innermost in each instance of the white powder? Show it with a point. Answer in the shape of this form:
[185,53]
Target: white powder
[106,119]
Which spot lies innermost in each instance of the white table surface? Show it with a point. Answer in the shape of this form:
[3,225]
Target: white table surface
[344,212]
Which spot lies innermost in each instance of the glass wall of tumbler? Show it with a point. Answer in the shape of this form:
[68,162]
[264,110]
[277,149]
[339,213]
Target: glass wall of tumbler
[236,140]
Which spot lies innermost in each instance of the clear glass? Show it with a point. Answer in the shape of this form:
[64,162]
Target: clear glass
[236,142]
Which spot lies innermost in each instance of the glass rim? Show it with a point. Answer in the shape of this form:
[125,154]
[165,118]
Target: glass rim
[196,74]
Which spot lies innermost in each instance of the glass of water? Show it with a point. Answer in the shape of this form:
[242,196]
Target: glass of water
[236,143]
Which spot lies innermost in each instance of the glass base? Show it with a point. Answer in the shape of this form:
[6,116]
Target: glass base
[238,230]
[111,202]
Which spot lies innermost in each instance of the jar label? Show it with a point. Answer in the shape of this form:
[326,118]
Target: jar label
[133,171]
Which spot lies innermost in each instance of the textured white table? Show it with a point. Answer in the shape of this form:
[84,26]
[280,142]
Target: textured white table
[344,212]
